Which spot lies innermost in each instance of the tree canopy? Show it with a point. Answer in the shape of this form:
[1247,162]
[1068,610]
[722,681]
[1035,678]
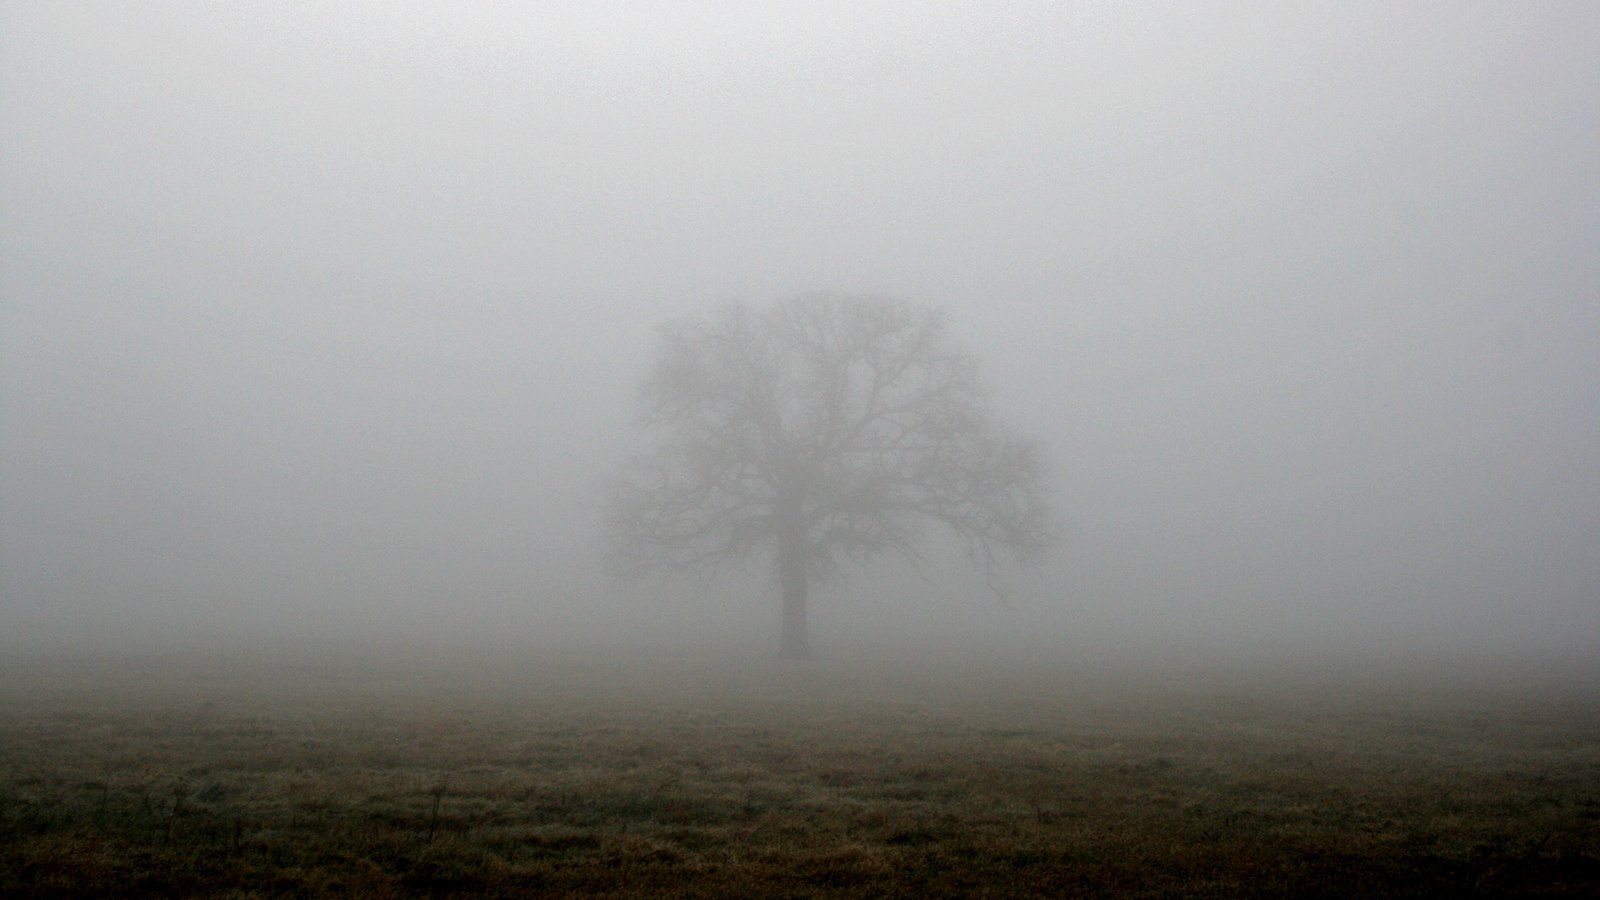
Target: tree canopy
[824,429]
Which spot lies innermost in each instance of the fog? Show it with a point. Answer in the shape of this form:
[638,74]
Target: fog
[327,320]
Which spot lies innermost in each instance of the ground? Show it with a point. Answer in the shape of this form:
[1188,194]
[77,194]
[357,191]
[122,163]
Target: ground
[570,772]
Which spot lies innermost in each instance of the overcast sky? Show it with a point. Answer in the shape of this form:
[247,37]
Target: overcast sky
[329,317]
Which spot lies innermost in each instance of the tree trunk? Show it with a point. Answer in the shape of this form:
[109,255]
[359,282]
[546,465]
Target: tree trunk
[795,643]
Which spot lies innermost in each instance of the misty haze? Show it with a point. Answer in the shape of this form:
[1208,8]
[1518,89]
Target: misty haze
[790,449]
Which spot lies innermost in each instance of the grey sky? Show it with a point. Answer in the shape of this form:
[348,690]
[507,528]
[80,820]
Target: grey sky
[328,316]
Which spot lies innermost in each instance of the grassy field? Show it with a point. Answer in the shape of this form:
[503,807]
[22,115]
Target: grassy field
[561,773]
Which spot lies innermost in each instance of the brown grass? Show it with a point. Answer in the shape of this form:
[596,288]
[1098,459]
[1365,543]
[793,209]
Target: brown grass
[677,776]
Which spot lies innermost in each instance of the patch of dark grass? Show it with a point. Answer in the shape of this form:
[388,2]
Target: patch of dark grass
[892,787]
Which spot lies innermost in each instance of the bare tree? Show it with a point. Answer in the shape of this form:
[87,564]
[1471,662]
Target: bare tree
[823,429]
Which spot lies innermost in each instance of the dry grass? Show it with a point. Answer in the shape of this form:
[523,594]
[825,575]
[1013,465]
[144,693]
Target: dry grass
[676,776]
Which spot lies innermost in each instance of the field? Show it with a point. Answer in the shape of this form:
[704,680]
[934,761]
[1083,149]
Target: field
[562,773]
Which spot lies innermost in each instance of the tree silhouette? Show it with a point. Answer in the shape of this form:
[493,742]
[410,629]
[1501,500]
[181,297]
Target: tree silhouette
[821,430]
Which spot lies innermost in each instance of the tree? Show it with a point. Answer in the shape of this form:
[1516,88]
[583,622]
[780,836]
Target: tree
[820,430]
